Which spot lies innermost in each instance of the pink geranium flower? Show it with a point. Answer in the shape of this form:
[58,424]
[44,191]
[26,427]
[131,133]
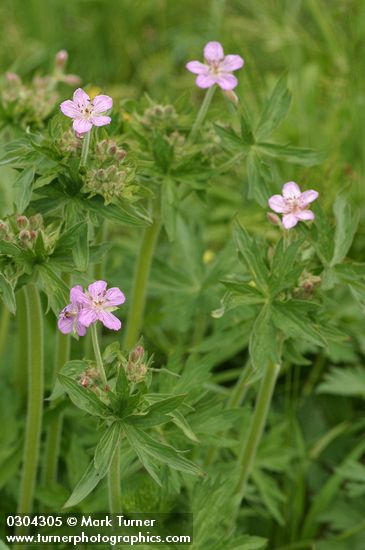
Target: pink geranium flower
[85,112]
[293,204]
[217,68]
[69,317]
[97,303]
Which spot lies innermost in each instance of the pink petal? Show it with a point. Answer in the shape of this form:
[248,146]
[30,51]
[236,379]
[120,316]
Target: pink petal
[308,196]
[277,203]
[227,81]
[97,289]
[81,98]
[81,126]
[99,120]
[232,63]
[70,109]
[305,215]
[213,52]
[87,316]
[109,320]
[77,295]
[102,103]
[65,325]
[205,80]
[114,297]
[289,221]
[80,329]
[196,67]
[291,190]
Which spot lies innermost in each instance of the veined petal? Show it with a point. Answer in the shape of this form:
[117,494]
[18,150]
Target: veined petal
[305,215]
[77,295]
[213,52]
[70,109]
[102,103]
[99,120]
[65,324]
[227,81]
[97,289]
[196,67]
[277,203]
[80,329]
[232,63]
[109,320]
[81,98]
[114,297]
[308,196]
[87,316]
[205,80]
[291,190]
[289,221]
[81,126]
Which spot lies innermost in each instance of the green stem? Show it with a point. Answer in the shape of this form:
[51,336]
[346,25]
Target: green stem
[115,504]
[4,329]
[256,428]
[53,438]
[202,111]
[85,149]
[99,360]
[35,399]
[142,271]
[22,352]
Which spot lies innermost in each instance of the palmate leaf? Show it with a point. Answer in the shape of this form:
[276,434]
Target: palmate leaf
[295,323]
[73,369]
[106,448]
[349,381]
[144,444]
[84,398]
[7,294]
[346,227]
[263,344]
[23,186]
[270,493]
[274,111]
[283,273]
[257,175]
[252,255]
[87,483]
[295,155]
[55,288]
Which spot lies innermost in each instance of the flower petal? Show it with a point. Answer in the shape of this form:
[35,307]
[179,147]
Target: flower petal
[114,297]
[205,80]
[82,126]
[77,295]
[196,67]
[308,196]
[289,221]
[277,203]
[97,289]
[232,63]
[109,320]
[65,324]
[227,81]
[99,120]
[213,52]
[81,98]
[102,103]
[305,215]
[87,316]
[70,109]
[291,190]
[80,329]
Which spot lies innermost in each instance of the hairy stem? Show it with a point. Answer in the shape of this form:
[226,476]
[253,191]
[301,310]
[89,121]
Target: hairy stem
[141,276]
[99,360]
[4,328]
[85,149]
[257,425]
[35,398]
[202,112]
[115,504]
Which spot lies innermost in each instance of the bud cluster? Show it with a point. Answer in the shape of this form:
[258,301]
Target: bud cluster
[160,117]
[69,143]
[21,230]
[308,284]
[109,150]
[110,182]
[137,366]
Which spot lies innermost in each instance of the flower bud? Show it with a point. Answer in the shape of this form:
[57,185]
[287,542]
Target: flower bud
[24,235]
[22,221]
[137,353]
[273,218]
[12,77]
[112,149]
[33,235]
[36,221]
[84,381]
[61,59]
[121,154]
[231,96]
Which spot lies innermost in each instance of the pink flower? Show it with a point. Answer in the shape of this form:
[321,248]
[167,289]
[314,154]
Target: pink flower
[217,68]
[97,303]
[69,317]
[87,113]
[293,204]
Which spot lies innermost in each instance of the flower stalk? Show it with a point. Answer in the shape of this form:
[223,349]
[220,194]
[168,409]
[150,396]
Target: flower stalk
[256,428]
[115,504]
[35,398]
[85,149]
[202,112]
[141,276]
[99,360]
